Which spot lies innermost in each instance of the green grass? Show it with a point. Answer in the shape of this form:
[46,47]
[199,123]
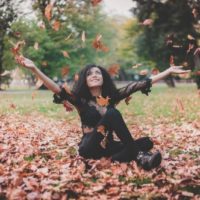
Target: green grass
[161,103]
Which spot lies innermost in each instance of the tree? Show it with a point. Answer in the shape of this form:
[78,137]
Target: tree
[171,19]
[7,15]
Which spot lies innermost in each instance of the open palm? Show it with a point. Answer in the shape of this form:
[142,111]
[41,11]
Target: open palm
[27,63]
[178,70]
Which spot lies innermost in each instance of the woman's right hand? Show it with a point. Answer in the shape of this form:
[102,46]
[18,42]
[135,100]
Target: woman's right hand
[27,63]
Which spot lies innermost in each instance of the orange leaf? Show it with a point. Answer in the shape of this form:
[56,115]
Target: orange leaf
[56,25]
[180,105]
[65,54]
[102,101]
[95,2]
[15,50]
[68,106]
[101,129]
[48,11]
[114,69]
[65,70]
[67,89]
[128,99]
[98,45]
[154,71]
[12,105]
[136,65]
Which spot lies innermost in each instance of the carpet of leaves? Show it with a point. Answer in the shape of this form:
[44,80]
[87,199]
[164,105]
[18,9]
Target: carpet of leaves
[39,160]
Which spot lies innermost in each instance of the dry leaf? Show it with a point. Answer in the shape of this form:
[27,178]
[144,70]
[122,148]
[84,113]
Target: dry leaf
[65,54]
[95,2]
[76,77]
[147,22]
[56,25]
[67,89]
[65,70]
[98,45]
[136,65]
[128,99]
[44,63]
[68,37]
[68,106]
[113,69]
[143,72]
[36,46]
[15,50]
[190,37]
[83,38]
[48,11]
[155,71]
[103,101]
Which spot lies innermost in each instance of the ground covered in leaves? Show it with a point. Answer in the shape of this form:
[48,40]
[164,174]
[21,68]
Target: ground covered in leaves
[38,160]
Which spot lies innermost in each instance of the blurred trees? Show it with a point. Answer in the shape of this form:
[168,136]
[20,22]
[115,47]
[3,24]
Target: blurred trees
[173,22]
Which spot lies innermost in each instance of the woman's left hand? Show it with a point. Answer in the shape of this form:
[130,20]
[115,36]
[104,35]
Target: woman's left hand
[178,70]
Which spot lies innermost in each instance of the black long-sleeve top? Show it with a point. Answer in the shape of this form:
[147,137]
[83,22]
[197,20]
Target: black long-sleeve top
[90,111]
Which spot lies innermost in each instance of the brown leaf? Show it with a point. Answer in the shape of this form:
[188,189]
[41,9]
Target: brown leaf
[136,65]
[65,54]
[83,38]
[143,72]
[76,77]
[15,50]
[65,70]
[68,106]
[56,25]
[48,11]
[155,71]
[95,2]
[44,63]
[98,45]
[36,46]
[127,100]
[113,69]
[103,101]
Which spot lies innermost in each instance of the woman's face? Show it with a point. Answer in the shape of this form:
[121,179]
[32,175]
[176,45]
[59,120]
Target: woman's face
[94,77]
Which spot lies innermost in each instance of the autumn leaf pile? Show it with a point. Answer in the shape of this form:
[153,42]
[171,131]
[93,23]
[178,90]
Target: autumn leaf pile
[39,160]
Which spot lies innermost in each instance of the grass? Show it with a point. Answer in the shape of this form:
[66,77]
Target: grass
[161,103]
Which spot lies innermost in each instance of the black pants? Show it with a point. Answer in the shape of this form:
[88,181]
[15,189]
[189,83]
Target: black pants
[123,151]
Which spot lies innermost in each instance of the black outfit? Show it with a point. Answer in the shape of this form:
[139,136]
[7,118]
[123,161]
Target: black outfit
[96,144]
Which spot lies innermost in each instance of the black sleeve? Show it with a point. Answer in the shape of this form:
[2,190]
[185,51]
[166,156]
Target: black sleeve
[143,86]
[63,95]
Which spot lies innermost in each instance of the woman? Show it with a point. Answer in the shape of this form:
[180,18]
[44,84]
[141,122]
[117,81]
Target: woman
[100,118]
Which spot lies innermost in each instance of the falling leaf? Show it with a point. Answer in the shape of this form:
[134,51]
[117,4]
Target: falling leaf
[128,99]
[102,101]
[98,45]
[171,60]
[41,25]
[56,25]
[48,11]
[65,54]
[83,38]
[136,65]
[155,71]
[147,22]
[95,2]
[33,95]
[6,72]
[190,37]
[67,89]
[101,129]
[113,69]
[65,70]
[68,106]
[39,83]
[18,34]
[76,77]
[15,50]
[179,104]
[36,46]
[44,63]
[195,12]
[143,72]
[68,37]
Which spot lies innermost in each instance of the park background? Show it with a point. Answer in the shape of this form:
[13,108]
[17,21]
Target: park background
[38,152]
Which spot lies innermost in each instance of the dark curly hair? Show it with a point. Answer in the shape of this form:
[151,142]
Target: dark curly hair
[81,90]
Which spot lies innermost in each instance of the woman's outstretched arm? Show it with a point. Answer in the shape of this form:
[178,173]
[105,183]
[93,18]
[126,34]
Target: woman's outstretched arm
[29,64]
[171,70]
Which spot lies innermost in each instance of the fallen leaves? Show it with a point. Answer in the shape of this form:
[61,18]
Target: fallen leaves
[55,173]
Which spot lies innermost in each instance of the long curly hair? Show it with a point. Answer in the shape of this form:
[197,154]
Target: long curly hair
[81,90]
